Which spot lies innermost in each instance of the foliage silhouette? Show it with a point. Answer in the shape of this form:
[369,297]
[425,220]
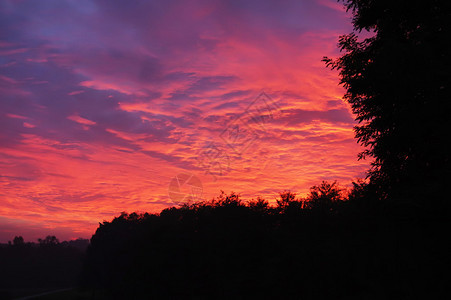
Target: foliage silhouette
[49,240]
[324,196]
[18,241]
[286,199]
[397,83]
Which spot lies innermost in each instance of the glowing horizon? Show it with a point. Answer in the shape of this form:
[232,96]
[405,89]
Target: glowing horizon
[103,104]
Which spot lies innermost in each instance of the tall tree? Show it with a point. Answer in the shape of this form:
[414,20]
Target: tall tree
[397,83]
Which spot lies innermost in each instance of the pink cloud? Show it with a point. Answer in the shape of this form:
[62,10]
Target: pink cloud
[78,119]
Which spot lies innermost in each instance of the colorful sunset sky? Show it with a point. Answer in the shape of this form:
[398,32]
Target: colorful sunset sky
[103,103]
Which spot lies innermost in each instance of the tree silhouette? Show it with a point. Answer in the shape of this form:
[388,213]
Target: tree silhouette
[324,196]
[18,241]
[285,198]
[397,83]
[49,240]
[260,204]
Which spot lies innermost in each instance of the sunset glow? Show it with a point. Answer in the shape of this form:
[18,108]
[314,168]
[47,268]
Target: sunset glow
[102,103]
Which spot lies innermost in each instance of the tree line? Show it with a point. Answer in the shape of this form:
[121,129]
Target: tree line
[29,267]
[330,244]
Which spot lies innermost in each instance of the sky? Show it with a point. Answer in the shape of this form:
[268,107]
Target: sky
[112,106]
